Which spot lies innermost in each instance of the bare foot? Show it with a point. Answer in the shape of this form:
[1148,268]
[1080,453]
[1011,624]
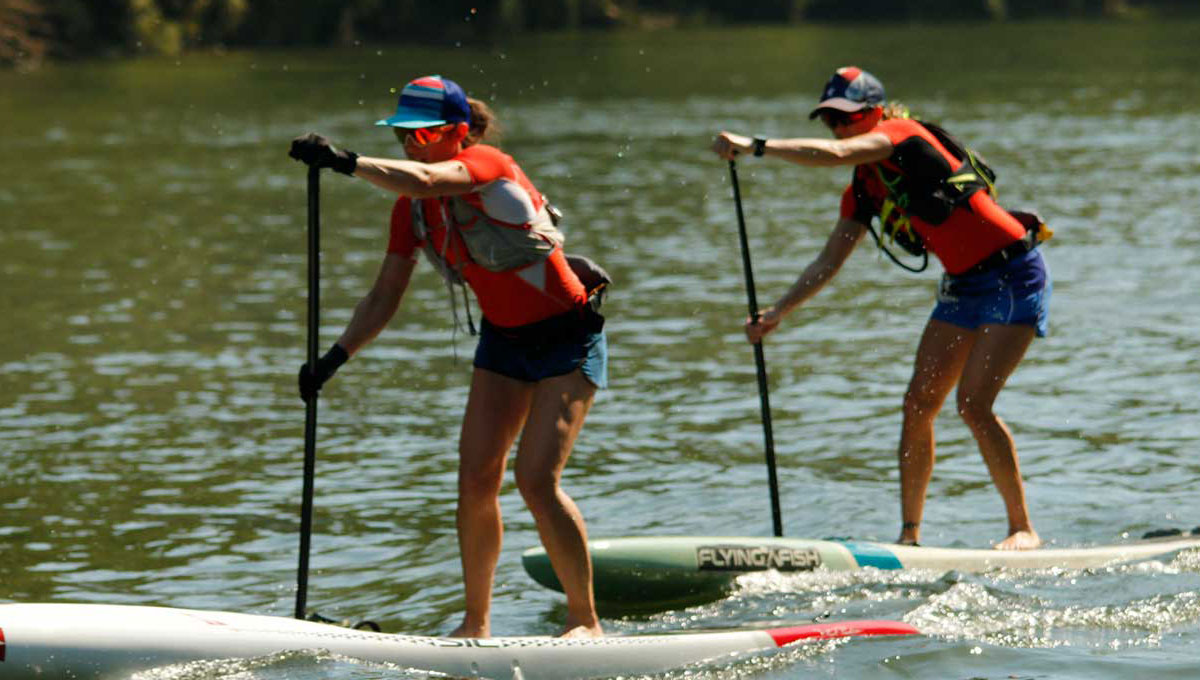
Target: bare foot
[1020,540]
[583,632]
[910,534]
[471,631]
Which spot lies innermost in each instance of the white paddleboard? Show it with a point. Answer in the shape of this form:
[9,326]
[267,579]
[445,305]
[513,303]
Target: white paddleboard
[675,569]
[103,642]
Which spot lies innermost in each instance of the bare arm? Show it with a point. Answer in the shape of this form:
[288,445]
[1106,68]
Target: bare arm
[378,307]
[415,179]
[841,243]
[813,152]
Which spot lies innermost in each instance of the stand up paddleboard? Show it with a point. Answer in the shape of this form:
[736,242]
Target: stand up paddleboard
[675,570]
[83,641]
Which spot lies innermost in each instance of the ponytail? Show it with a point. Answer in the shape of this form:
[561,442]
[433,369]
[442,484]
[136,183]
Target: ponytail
[895,110]
[484,126]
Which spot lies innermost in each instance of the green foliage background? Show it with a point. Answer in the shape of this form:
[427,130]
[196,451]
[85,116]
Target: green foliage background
[34,30]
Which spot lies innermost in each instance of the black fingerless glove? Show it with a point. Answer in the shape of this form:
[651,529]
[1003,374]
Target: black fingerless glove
[311,381]
[317,152]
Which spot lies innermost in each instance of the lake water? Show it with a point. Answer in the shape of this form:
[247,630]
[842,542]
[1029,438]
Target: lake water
[153,319]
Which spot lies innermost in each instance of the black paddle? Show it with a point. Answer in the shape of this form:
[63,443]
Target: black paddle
[759,361]
[310,415]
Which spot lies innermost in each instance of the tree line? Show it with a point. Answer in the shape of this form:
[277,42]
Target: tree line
[35,30]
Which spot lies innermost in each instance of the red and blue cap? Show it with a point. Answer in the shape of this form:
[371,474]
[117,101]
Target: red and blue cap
[429,101]
[850,89]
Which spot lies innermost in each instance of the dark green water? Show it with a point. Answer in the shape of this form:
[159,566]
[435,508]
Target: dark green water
[153,315]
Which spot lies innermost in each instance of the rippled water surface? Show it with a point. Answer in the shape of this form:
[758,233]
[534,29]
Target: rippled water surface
[153,307]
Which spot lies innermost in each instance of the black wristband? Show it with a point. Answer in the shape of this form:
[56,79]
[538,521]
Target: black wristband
[333,359]
[344,162]
[760,146]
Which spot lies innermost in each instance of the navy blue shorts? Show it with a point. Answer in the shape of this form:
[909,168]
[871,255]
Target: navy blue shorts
[534,362]
[1016,294]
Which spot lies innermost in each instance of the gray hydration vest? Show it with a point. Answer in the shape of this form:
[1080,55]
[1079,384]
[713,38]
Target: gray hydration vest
[493,245]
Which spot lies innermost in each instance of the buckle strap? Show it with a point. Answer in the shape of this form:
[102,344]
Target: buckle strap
[1005,255]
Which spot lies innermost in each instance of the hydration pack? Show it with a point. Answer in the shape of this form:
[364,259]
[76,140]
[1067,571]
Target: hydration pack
[499,247]
[491,244]
[927,187]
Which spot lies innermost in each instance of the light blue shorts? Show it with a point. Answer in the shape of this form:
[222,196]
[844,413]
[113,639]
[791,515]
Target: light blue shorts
[1016,294]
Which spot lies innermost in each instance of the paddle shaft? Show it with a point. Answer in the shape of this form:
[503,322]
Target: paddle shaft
[310,414]
[760,361]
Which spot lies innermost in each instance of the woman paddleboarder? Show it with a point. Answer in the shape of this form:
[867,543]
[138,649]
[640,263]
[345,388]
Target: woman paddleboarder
[930,194]
[542,350]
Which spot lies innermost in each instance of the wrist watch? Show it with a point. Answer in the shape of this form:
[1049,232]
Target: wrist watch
[760,145]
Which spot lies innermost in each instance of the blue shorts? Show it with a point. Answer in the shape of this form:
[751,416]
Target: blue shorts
[1015,294]
[531,363]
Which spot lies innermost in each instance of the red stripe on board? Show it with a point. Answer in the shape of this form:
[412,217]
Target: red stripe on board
[1,644]
[824,631]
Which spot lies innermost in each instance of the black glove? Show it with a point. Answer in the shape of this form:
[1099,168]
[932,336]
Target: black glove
[316,151]
[310,383]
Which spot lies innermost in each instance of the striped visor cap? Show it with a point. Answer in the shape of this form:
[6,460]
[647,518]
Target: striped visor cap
[429,101]
[850,89]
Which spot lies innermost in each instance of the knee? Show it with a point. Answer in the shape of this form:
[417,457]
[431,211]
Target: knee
[478,483]
[921,404]
[975,410]
[539,490]
[475,489]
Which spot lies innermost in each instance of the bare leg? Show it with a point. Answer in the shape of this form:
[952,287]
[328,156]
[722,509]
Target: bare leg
[942,352]
[998,349]
[496,410]
[560,406]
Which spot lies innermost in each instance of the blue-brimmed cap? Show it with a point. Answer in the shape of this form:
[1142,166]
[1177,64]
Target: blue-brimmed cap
[850,89]
[429,101]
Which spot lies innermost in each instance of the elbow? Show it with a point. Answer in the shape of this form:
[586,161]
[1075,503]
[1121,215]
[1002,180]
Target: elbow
[380,304]
[828,264]
[422,185]
[831,269]
[840,153]
[386,303]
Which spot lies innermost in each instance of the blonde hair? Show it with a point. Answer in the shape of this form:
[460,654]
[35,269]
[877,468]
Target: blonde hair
[895,110]
[484,124]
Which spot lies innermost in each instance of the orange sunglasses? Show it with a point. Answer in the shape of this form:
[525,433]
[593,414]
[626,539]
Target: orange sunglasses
[423,136]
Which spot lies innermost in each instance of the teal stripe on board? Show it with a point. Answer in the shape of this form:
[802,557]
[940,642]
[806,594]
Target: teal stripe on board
[872,555]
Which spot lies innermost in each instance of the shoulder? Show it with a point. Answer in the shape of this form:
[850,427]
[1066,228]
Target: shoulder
[900,129]
[486,163]
[482,151]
